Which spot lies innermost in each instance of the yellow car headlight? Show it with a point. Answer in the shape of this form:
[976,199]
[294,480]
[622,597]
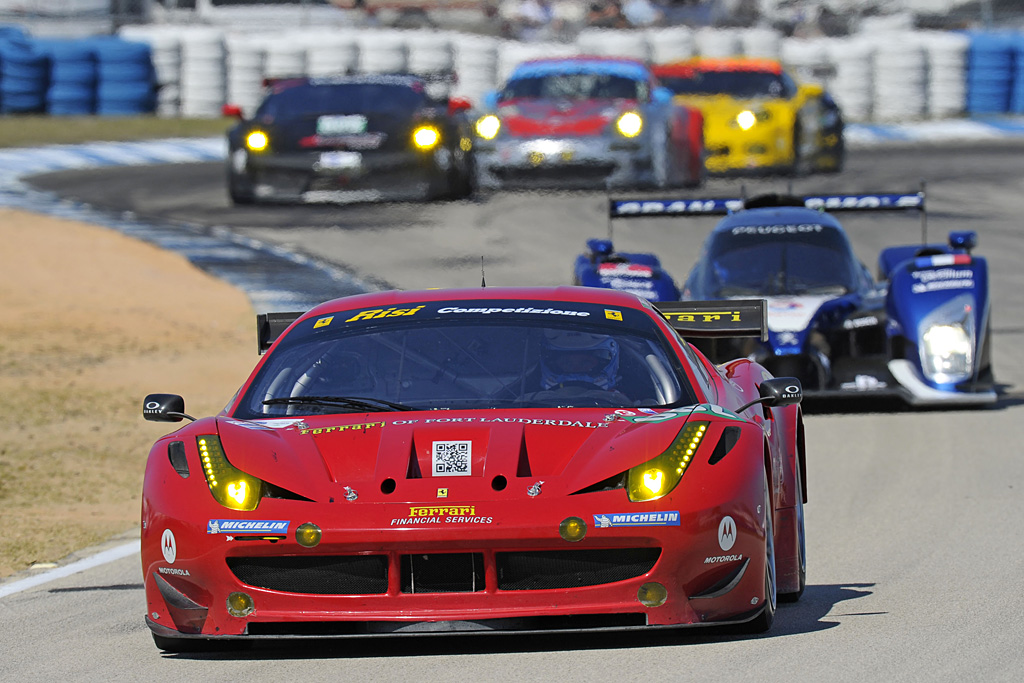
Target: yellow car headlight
[257,141]
[630,124]
[230,486]
[488,126]
[749,118]
[658,477]
[426,137]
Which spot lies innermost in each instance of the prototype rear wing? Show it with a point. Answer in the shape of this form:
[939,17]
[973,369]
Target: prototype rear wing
[723,318]
[644,208]
[269,327]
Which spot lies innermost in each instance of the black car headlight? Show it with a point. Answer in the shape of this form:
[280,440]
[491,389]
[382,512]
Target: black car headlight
[257,141]
[658,476]
[230,486]
[426,137]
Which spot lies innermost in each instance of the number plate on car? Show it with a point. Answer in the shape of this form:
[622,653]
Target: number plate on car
[341,161]
[341,125]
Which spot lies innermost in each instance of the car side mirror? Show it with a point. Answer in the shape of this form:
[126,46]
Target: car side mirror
[164,408]
[232,111]
[458,104]
[963,239]
[778,392]
[662,95]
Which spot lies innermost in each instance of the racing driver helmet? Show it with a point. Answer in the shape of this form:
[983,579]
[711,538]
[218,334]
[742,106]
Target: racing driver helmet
[573,356]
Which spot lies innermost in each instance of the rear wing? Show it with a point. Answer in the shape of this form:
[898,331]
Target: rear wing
[644,208]
[723,318]
[269,327]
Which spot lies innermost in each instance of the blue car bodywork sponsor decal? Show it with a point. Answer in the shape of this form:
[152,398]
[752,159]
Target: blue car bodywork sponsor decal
[247,526]
[666,518]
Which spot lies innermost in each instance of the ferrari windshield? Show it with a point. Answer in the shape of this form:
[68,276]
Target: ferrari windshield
[778,260]
[576,86]
[443,360]
[739,84]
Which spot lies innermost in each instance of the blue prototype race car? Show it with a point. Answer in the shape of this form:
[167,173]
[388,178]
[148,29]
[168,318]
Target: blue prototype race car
[920,332]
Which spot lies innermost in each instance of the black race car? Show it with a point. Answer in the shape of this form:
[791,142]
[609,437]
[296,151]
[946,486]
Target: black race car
[351,138]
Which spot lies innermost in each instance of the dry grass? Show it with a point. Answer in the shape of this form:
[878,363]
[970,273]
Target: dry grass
[30,131]
[91,321]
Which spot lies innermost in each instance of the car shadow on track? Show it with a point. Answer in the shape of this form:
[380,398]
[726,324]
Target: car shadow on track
[814,612]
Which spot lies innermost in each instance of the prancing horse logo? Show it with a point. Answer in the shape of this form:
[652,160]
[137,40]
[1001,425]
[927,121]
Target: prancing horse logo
[726,533]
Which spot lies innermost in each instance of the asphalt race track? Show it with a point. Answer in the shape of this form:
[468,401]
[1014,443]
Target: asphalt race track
[914,564]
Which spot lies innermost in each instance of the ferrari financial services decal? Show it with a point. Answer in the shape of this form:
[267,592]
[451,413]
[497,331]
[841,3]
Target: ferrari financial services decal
[441,514]
[250,526]
[667,518]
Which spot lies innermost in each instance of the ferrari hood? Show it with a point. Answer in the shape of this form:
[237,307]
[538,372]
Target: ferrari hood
[560,117]
[391,457]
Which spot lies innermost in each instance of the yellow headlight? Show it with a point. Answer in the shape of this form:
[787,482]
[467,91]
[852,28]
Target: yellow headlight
[657,477]
[230,486]
[746,119]
[426,137]
[257,141]
[630,124]
[488,126]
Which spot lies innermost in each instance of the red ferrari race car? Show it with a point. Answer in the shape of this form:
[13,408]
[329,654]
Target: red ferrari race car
[491,459]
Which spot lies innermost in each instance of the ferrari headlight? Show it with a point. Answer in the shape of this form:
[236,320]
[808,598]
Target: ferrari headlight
[630,124]
[426,137]
[488,126]
[947,341]
[659,476]
[230,486]
[257,141]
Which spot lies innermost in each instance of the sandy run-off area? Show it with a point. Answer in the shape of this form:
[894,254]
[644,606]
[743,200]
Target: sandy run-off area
[90,322]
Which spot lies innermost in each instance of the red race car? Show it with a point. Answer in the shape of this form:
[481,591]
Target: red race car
[510,459]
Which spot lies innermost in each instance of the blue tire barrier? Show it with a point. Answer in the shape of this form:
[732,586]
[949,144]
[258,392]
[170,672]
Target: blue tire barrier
[72,90]
[24,78]
[126,79]
[990,69]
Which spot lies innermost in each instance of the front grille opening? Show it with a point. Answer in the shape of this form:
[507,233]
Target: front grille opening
[541,570]
[316,575]
[443,573]
[573,622]
[616,481]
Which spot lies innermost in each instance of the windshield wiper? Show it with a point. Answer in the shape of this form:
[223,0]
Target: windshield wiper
[371,404]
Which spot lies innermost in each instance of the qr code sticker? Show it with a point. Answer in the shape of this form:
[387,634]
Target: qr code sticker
[452,458]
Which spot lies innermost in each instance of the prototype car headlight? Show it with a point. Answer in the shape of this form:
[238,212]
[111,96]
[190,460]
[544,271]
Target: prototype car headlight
[230,486]
[426,137]
[257,141]
[659,476]
[630,124]
[488,126]
[947,341]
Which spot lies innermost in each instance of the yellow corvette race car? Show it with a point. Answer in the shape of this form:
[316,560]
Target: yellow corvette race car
[757,117]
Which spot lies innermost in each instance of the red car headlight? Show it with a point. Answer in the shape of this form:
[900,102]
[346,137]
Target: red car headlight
[658,476]
[230,486]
